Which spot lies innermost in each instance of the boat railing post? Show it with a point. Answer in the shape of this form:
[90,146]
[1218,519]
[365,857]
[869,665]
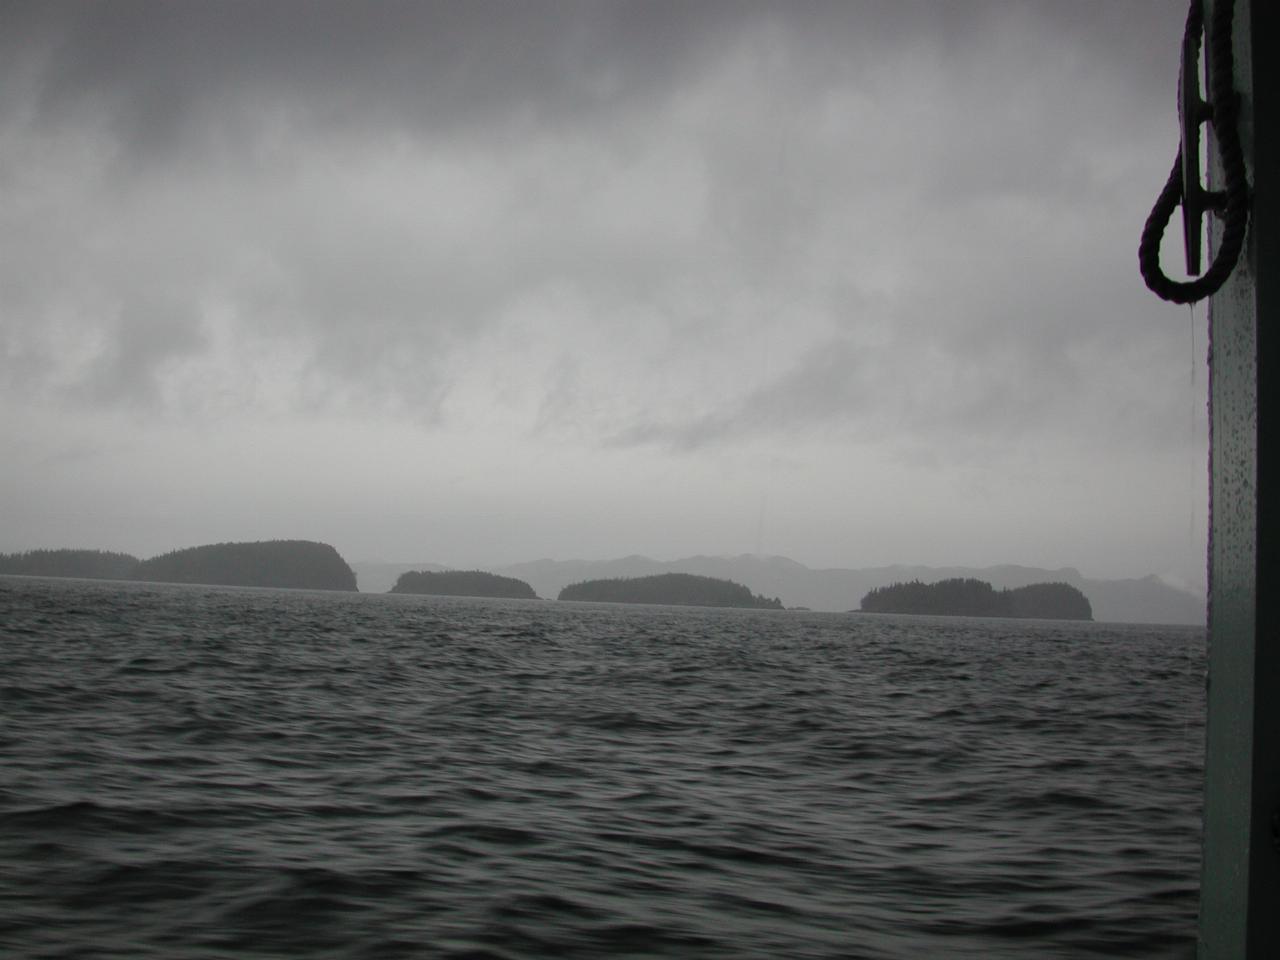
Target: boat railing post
[1240,872]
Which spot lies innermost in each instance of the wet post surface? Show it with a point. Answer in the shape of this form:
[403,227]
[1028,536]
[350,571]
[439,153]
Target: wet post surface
[1240,879]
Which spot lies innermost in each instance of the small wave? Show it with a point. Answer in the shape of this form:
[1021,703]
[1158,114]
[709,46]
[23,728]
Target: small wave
[488,833]
[86,815]
[343,777]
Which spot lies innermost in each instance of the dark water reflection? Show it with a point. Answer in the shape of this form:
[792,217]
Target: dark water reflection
[202,772]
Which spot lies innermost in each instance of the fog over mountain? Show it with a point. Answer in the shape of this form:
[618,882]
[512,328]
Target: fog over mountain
[852,282]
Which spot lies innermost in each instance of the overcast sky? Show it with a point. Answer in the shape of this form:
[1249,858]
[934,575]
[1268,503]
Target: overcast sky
[475,283]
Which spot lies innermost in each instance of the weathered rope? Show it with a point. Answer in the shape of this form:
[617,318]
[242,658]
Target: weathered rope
[1235,208]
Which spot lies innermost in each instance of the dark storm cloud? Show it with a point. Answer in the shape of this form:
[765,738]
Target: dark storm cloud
[164,69]
[375,186]
[368,265]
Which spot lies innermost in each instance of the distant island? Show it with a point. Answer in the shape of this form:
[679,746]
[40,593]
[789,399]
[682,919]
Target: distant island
[1141,600]
[1146,599]
[301,564]
[463,583]
[966,597]
[681,589]
[89,564]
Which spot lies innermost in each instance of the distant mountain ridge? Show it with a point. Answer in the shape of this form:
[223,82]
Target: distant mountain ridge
[1145,600]
[1135,600]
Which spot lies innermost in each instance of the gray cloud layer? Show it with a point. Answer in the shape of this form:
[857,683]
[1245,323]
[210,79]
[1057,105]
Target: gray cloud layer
[670,226]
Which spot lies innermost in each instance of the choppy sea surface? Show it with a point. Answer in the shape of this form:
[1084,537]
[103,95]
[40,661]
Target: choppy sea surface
[201,772]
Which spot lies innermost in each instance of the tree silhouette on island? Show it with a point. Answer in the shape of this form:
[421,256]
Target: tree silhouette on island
[463,583]
[301,564]
[84,564]
[678,589]
[966,597]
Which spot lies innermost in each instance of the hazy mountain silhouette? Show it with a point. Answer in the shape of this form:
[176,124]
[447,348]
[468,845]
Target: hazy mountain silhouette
[379,576]
[1144,600]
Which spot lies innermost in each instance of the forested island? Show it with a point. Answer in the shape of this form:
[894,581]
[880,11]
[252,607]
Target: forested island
[302,564]
[977,598]
[90,564]
[463,583]
[681,589]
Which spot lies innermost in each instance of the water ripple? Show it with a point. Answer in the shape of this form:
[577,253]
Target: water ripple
[204,772]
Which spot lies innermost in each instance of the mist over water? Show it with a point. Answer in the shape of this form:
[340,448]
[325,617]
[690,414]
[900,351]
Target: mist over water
[214,772]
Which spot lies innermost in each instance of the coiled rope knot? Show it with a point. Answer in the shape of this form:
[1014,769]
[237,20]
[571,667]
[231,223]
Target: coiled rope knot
[1233,203]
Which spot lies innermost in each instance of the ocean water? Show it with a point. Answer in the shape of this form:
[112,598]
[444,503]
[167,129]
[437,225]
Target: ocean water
[198,772]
